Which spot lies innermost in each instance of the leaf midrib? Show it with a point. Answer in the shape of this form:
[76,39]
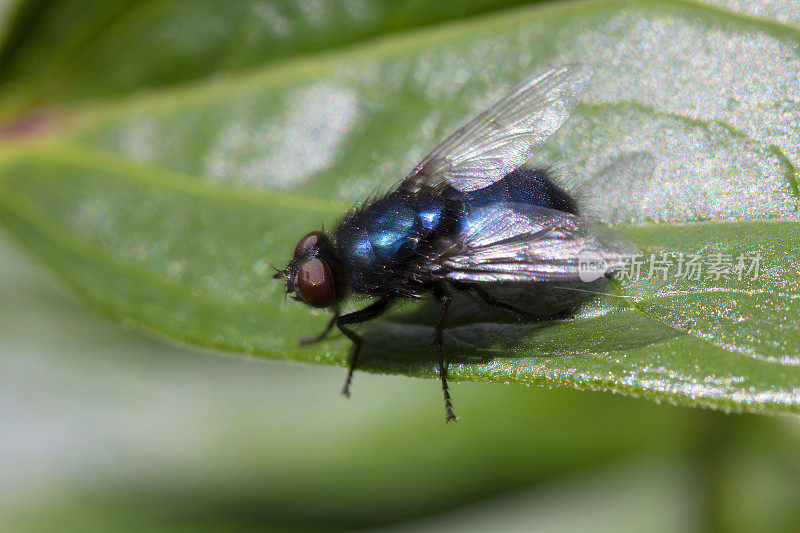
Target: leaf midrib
[77,153]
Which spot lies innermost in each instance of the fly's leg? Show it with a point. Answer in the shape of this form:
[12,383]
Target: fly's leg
[444,299]
[496,302]
[357,341]
[302,341]
[362,315]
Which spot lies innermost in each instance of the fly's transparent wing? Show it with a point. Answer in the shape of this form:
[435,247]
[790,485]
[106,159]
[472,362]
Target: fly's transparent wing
[524,243]
[504,136]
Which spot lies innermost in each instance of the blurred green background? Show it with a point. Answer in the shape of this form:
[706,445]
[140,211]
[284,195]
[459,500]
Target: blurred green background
[104,428]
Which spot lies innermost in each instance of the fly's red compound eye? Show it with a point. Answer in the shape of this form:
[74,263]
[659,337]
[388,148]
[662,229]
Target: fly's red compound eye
[314,283]
[312,239]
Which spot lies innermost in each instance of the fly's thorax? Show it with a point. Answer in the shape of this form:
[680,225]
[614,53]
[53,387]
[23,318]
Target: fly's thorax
[377,244]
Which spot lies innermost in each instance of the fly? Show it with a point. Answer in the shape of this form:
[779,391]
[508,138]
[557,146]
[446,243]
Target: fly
[466,218]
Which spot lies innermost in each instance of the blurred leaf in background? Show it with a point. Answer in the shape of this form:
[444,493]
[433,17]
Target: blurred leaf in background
[186,145]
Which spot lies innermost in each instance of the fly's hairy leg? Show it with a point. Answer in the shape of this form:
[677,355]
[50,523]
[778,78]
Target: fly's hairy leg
[444,300]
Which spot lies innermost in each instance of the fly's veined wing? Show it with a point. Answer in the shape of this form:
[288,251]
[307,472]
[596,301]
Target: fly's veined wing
[524,243]
[504,136]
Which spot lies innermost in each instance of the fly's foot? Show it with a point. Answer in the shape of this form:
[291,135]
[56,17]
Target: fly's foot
[449,414]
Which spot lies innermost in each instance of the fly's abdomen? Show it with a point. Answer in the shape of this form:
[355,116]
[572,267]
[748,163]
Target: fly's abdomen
[524,186]
[375,244]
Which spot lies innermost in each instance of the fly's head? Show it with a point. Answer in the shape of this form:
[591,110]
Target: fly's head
[313,275]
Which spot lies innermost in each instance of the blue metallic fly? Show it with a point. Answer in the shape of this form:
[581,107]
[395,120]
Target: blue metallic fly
[466,217]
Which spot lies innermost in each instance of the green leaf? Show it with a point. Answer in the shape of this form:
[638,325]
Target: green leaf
[168,209]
